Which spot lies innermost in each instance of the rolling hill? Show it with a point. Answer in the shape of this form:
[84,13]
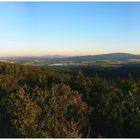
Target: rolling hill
[102,59]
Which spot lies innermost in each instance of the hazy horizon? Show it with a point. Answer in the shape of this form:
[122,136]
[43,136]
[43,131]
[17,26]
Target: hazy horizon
[67,55]
[69,28]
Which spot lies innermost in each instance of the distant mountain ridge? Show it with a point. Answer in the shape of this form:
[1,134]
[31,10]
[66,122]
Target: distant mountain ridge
[110,56]
[99,56]
[101,59]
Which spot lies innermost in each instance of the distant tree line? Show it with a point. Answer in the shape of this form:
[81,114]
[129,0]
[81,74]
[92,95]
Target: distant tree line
[38,102]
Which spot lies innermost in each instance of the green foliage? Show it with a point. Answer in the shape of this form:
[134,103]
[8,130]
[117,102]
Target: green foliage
[64,112]
[47,103]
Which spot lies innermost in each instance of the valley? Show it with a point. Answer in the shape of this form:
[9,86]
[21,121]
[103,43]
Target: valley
[113,59]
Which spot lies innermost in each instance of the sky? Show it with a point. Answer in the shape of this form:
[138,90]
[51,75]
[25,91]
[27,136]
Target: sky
[69,28]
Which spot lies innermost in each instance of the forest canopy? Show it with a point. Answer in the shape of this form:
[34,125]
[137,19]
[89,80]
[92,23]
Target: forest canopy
[37,102]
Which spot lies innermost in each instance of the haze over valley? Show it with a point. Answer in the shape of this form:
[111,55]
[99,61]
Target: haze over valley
[112,59]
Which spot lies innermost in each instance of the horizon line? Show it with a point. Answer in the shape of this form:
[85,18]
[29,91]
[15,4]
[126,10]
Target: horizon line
[68,55]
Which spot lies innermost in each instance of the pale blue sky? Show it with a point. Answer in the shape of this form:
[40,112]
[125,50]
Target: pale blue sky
[69,28]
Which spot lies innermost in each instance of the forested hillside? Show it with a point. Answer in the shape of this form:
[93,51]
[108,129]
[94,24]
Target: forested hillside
[37,102]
